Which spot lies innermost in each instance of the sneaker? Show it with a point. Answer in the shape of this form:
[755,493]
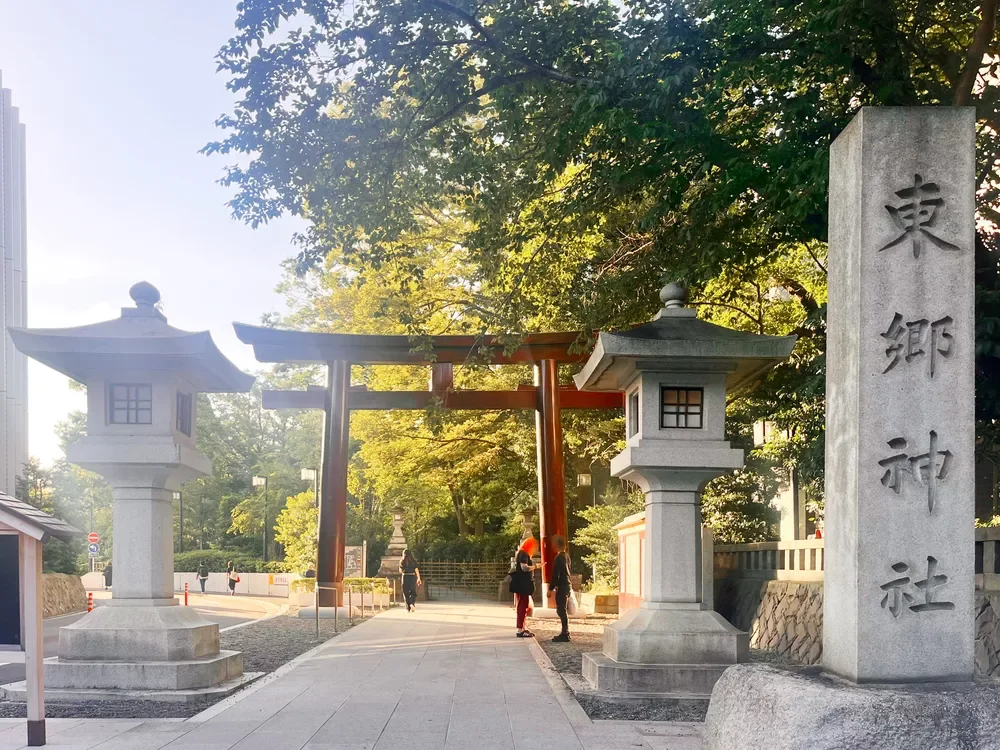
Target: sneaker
[561,638]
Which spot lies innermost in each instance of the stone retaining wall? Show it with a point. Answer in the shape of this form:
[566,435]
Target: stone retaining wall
[62,594]
[786,618]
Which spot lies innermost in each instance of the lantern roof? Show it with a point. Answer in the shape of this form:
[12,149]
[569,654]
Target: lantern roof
[138,340]
[676,340]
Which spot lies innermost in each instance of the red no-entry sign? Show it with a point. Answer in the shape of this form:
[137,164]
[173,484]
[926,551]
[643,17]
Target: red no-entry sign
[93,537]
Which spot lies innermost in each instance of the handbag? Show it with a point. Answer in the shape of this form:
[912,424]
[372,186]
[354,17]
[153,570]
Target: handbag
[571,603]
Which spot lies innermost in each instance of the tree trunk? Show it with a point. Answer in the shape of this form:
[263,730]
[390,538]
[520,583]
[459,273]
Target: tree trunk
[463,527]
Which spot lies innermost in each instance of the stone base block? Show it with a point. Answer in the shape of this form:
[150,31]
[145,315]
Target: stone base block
[190,674]
[145,633]
[681,681]
[675,636]
[17,692]
[328,613]
[755,706]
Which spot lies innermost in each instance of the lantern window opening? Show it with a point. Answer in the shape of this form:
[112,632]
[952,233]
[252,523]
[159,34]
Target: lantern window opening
[184,413]
[633,413]
[130,403]
[681,408]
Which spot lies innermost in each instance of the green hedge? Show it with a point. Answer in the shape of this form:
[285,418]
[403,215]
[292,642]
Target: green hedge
[216,560]
[359,584]
[500,546]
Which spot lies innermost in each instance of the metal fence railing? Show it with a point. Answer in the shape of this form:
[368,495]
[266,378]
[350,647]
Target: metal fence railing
[463,578]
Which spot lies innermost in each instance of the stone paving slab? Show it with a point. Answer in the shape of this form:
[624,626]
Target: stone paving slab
[446,676]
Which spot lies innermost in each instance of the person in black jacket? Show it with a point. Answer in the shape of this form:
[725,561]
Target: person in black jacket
[560,586]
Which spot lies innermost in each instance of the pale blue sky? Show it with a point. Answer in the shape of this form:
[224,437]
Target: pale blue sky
[117,97]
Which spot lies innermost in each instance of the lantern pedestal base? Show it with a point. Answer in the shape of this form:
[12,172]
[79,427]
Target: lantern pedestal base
[678,653]
[144,647]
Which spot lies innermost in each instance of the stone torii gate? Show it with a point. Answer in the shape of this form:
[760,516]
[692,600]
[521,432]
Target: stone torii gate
[338,351]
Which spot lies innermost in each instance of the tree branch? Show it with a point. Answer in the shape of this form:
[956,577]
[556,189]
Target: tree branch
[496,44]
[974,56]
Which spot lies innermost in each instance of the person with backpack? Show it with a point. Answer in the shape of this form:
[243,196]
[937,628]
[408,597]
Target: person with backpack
[411,579]
[561,587]
[202,575]
[522,584]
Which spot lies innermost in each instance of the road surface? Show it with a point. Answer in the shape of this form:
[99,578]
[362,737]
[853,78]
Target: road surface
[224,610]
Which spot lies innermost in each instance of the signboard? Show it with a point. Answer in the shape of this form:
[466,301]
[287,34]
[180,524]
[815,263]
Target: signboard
[93,537]
[93,548]
[354,562]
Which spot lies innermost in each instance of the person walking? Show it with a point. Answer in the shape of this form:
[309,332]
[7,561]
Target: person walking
[107,576]
[233,576]
[202,575]
[411,579]
[561,586]
[522,584]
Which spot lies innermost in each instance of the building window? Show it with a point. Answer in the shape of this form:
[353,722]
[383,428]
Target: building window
[130,403]
[633,413]
[681,407]
[184,413]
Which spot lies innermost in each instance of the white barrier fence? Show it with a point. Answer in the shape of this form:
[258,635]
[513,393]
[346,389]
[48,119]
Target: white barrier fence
[257,584]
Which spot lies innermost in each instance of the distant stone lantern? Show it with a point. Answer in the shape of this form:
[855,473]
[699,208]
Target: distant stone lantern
[676,372]
[142,379]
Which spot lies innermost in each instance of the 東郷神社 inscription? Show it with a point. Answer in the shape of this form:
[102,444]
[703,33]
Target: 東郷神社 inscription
[918,340]
[924,596]
[926,469]
[917,215]
[900,414]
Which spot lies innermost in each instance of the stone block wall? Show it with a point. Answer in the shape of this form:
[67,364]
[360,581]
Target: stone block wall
[786,618]
[62,594]
[782,617]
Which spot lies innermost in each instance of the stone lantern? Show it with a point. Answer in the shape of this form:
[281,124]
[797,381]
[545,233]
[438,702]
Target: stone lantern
[142,379]
[675,372]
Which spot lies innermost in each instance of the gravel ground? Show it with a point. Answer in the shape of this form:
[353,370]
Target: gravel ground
[588,635]
[265,645]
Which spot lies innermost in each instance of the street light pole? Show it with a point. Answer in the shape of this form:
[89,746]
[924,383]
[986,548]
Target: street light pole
[180,531]
[262,482]
[313,476]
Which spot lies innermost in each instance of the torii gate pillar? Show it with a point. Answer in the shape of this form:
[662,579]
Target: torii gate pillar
[551,482]
[333,488]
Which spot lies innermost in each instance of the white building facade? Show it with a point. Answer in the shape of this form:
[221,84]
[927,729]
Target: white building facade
[13,294]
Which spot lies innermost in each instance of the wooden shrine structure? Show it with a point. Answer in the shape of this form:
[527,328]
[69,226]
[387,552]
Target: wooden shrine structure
[338,351]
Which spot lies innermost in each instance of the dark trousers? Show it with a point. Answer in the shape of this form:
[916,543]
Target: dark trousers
[410,590]
[561,597]
[202,582]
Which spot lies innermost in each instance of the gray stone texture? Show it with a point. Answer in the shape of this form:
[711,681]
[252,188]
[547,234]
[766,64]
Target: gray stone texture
[755,706]
[880,516]
[782,617]
[786,619]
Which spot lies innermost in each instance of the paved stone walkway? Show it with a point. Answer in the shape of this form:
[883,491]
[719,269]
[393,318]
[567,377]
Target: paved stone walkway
[447,676]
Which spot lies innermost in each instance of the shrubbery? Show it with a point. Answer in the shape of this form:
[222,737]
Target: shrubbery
[499,546]
[216,560]
[359,584]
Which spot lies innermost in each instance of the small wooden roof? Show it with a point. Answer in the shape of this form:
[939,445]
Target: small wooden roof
[29,520]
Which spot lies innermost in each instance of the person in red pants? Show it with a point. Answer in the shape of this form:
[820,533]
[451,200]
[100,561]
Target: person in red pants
[522,585]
